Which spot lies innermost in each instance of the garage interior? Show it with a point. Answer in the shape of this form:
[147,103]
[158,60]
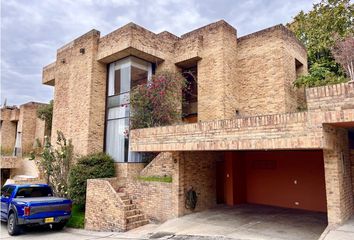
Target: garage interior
[287,179]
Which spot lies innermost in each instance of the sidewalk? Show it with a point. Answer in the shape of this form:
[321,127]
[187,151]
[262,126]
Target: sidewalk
[344,232]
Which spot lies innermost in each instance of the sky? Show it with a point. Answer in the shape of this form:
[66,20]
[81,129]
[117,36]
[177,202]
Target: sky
[32,30]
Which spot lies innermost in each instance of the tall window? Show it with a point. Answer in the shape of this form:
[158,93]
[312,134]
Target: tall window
[190,95]
[123,75]
[299,68]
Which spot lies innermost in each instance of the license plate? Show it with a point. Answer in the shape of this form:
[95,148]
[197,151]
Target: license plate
[49,220]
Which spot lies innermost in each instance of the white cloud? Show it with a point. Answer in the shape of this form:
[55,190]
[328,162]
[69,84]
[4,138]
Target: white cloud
[32,30]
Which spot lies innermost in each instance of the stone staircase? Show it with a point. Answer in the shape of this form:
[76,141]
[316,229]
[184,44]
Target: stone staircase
[134,216]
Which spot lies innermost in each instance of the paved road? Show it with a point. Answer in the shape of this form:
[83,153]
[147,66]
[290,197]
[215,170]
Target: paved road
[74,234]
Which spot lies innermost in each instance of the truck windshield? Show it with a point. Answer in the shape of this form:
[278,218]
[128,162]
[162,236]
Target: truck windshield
[36,191]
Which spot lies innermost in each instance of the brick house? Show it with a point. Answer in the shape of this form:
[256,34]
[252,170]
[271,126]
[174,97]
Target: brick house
[20,128]
[248,137]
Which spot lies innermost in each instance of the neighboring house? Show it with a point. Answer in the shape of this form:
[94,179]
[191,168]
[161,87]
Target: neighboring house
[244,140]
[19,129]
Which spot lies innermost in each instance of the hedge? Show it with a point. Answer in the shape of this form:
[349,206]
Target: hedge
[97,165]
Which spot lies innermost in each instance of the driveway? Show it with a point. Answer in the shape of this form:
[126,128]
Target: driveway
[142,233]
[251,222]
[243,222]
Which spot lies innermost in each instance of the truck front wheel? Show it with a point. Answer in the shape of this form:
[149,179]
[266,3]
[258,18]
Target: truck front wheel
[12,227]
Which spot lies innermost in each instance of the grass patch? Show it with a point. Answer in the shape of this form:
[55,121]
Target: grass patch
[167,179]
[77,219]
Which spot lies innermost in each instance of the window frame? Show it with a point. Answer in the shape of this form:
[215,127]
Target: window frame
[130,62]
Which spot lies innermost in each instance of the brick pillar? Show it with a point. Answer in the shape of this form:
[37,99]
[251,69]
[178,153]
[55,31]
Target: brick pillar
[338,174]
[178,184]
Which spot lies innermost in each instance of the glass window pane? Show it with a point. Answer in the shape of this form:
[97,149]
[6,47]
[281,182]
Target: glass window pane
[4,190]
[10,190]
[117,79]
[125,79]
[124,75]
[118,112]
[117,101]
[135,157]
[139,77]
[116,139]
[111,80]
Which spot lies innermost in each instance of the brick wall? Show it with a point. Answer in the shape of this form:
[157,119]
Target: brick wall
[154,198]
[337,175]
[293,51]
[104,208]
[332,97]
[280,131]
[162,165]
[215,71]
[79,96]
[197,170]
[128,170]
[7,131]
[161,201]
[266,70]
[24,120]
[9,162]
[30,126]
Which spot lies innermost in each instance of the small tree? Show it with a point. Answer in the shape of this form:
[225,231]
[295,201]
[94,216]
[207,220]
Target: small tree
[318,30]
[343,52]
[159,102]
[45,113]
[55,163]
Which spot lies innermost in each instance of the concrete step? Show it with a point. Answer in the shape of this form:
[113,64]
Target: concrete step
[135,218]
[127,201]
[129,207]
[133,212]
[137,224]
[123,195]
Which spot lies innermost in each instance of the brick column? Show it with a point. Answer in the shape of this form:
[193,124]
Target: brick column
[178,184]
[338,174]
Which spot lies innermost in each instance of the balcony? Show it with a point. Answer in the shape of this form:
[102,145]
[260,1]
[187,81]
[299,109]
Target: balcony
[302,130]
[15,115]
[48,76]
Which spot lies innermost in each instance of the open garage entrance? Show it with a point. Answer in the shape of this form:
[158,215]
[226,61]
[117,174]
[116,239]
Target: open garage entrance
[266,195]
[288,179]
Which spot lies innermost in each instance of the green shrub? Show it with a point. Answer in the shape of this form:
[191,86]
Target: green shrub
[97,165]
[319,75]
[157,103]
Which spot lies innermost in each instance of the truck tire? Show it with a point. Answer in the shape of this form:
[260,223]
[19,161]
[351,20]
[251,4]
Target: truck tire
[58,226]
[12,228]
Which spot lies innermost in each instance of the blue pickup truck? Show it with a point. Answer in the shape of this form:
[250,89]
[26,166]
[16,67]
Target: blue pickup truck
[24,205]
